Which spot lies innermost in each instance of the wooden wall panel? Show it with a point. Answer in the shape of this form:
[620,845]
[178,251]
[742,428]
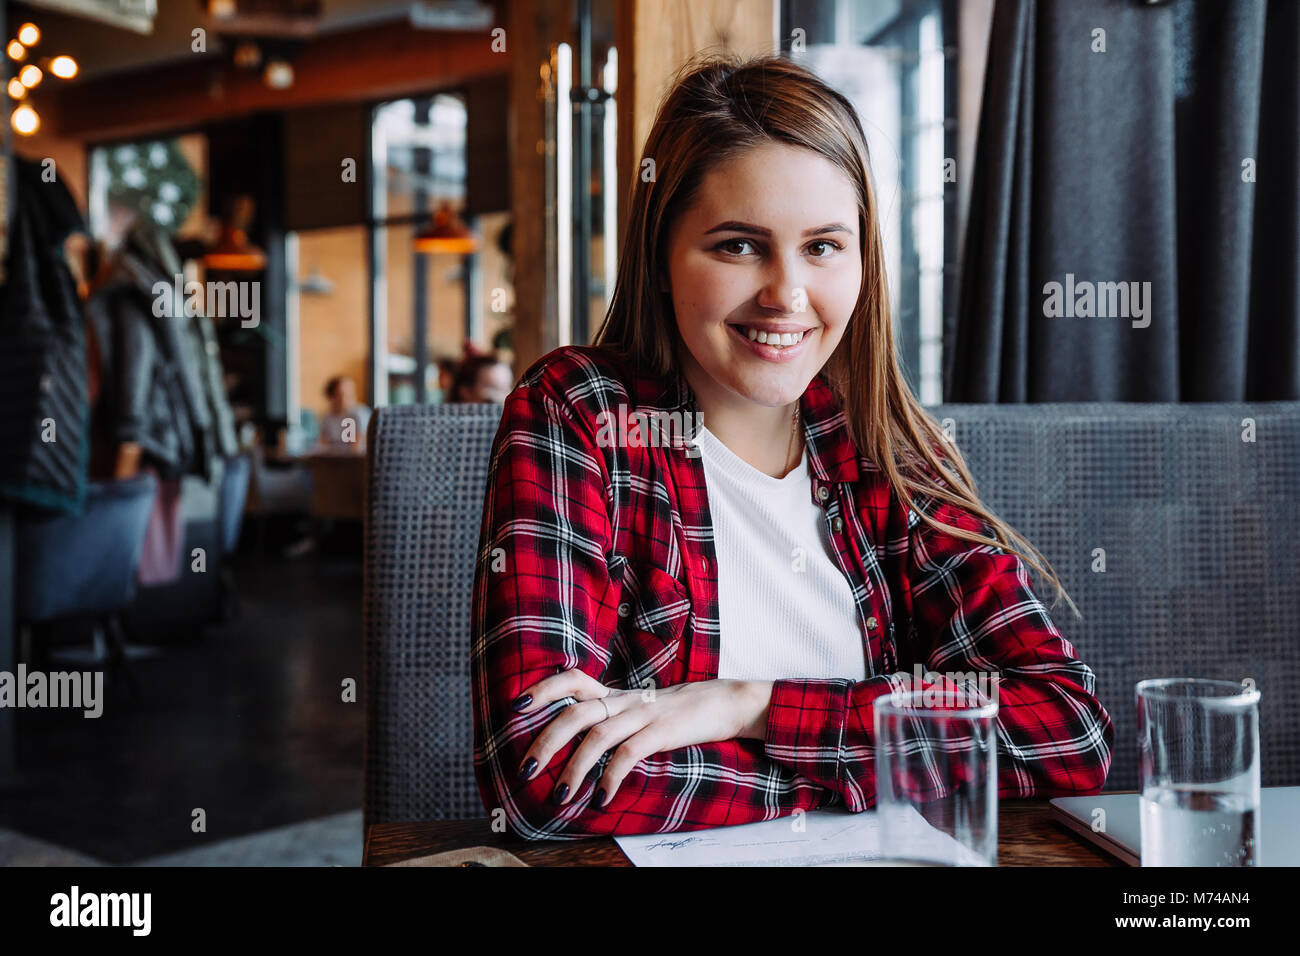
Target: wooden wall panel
[487,176]
[534,26]
[654,39]
[317,140]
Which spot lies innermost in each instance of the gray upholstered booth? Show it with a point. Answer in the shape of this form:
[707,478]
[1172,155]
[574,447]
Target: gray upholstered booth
[1198,528]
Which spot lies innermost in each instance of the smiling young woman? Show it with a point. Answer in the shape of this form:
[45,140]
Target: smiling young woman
[675,635]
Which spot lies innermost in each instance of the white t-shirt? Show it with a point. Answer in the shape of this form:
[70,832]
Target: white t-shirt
[786,609]
[331,427]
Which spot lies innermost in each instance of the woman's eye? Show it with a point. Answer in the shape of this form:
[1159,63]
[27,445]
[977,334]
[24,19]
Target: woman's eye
[728,246]
[830,246]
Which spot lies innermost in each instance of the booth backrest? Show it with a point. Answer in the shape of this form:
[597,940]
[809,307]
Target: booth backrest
[1193,512]
[428,473]
[1174,528]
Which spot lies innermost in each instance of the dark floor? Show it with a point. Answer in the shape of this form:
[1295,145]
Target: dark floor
[247,722]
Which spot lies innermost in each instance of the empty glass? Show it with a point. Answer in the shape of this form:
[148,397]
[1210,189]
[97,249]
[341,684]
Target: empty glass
[936,778]
[1198,772]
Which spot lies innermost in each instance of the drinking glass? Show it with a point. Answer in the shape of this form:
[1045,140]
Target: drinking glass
[936,778]
[1198,772]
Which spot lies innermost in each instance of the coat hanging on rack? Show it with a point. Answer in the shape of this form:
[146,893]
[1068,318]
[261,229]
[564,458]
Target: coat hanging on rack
[43,405]
[162,386]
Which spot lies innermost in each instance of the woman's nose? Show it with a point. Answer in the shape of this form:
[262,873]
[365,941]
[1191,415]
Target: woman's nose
[781,291]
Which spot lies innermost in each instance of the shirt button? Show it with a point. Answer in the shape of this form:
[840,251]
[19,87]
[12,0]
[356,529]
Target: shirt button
[823,493]
[872,624]
[836,524]
[624,609]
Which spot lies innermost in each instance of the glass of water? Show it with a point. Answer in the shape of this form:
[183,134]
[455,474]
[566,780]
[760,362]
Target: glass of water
[936,778]
[1198,772]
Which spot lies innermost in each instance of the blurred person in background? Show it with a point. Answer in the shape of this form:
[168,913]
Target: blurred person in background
[447,366]
[481,378]
[343,427]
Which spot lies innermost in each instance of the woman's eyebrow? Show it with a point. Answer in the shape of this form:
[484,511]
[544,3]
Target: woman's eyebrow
[732,225]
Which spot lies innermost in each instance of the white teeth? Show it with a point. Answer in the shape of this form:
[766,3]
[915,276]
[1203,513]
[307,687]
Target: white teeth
[775,339]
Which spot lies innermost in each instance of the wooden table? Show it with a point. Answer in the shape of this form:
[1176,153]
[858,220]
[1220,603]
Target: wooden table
[338,485]
[1026,837]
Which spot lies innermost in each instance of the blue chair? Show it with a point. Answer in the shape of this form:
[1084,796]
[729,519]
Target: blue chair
[233,494]
[231,498]
[85,565]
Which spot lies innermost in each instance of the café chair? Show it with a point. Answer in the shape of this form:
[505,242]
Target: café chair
[231,498]
[85,566]
[279,487]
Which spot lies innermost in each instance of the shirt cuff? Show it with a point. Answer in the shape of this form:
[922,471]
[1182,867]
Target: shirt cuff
[807,721]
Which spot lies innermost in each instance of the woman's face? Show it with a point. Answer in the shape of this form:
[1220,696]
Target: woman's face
[770,244]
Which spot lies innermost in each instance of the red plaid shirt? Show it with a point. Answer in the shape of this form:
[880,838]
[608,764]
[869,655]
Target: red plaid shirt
[600,556]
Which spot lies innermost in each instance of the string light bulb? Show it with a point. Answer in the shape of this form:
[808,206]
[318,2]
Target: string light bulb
[25,121]
[29,34]
[64,67]
[247,56]
[278,74]
[30,75]
[16,50]
[16,90]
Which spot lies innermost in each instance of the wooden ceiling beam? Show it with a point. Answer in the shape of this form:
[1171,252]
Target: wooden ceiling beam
[391,60]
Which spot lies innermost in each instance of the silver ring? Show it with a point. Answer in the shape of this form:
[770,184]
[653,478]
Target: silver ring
[605,705]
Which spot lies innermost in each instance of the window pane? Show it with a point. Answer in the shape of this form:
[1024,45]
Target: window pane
[419,148]
[333,336]
[436,281]
[888,57]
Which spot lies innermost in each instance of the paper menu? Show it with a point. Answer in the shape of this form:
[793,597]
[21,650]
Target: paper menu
[832,836]
[828,836]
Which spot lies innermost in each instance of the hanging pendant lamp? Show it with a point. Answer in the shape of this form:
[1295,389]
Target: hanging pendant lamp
[447,233]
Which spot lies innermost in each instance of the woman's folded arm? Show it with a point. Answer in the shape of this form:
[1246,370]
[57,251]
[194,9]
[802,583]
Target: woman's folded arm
[974,614]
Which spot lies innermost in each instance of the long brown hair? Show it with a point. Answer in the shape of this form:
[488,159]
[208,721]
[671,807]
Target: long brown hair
[719,106]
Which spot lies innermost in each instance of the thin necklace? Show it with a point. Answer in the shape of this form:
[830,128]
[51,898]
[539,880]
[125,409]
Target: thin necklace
[794,430]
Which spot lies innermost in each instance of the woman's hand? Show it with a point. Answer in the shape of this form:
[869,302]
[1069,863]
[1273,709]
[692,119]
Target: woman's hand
[639,723]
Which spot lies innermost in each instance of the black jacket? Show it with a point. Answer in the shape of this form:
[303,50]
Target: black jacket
[43,387]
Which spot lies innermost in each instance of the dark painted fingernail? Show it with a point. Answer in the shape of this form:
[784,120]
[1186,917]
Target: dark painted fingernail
[600,797]
[520,702]
[561,792]
[527,769]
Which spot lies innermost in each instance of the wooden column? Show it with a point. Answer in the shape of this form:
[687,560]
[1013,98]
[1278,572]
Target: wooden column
[654,38]
[533,27]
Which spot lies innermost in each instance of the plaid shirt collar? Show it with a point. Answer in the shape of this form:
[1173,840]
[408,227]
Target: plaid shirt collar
[831,453]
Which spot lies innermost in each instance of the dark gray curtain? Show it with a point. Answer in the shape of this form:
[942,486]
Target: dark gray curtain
[1127,167]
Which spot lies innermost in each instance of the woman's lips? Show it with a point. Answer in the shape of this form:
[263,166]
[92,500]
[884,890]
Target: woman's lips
[769,353]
